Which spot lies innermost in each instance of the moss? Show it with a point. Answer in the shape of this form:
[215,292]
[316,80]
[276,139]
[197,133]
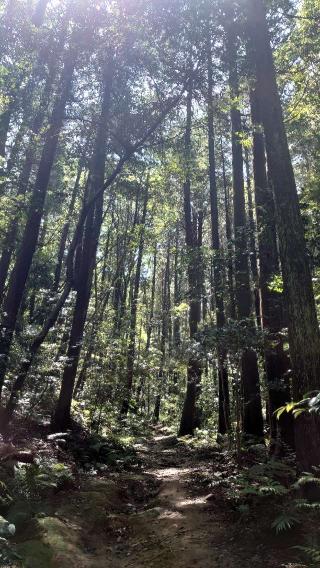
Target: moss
[92,503]
[35,553]
[57,545]
[20,513]
[58,540]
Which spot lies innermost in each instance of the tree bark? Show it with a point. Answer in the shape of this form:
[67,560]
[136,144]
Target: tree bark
[163,339]
[271,302]
[30,236]
[176,293]
[252,241]
[231,311]
[66,226]
[251,405]
[39,13]
[133,315]
[303,329]
[223,390]
[23,182]
[152,299]
[61,418]
[188,417]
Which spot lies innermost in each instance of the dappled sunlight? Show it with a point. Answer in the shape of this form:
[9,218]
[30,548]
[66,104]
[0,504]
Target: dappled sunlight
[191,501]
[172,472]
[169,514]
[160,438]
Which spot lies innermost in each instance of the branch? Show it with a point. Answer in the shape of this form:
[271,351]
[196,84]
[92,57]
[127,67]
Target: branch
[122,161]
[40,337]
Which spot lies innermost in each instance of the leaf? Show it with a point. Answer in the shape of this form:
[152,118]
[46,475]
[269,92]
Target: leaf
[284,522]
[296,412]
[312,552]
[250,491]
[308,478]
[280,411]
[286,408]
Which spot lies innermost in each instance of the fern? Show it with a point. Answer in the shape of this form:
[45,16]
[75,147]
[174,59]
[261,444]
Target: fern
[34,480]
[314,404]
[5,497]
[313,553]
[306,479]
[273,488]
[284,522]
[304,504]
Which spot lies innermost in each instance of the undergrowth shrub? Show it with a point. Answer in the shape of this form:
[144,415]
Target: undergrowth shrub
[34,481]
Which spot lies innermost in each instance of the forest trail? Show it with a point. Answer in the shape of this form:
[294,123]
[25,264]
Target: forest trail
[178,528]
[181,524]
[185,525]
[160,514]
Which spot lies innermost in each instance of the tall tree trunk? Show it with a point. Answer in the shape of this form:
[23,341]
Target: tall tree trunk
[251,221]
[188,417]
[91,232]
[163,338]
[176,292]
[304,335]
[251,409]
[5,117]
[276,360]
[149,323]
[7,412]
[224,410]
[97,319]
[121,282]
[230,267]
[66,226]
[201,264]
[133,315]
[23,182]
[252,241]
[152,299]
[30,236]
[39,13]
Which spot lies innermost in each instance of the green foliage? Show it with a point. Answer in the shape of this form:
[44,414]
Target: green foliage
[312,553]
[235,336]
[5,497]
[310,404]
[114,449]
[202,439]
[276,284]
[263,479]
[307,478]
[150,347]
[8,557]
[270,485]
[306,505]
[284,522]
[263,486]
[34,481]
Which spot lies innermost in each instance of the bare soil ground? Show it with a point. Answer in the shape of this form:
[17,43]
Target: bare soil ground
[185,527]
[158,516]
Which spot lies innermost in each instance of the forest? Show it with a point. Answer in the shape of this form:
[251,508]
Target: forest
[159,283]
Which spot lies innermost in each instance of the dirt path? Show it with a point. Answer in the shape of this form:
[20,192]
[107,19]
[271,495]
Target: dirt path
[178,528]
[155,516]
[184,527]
